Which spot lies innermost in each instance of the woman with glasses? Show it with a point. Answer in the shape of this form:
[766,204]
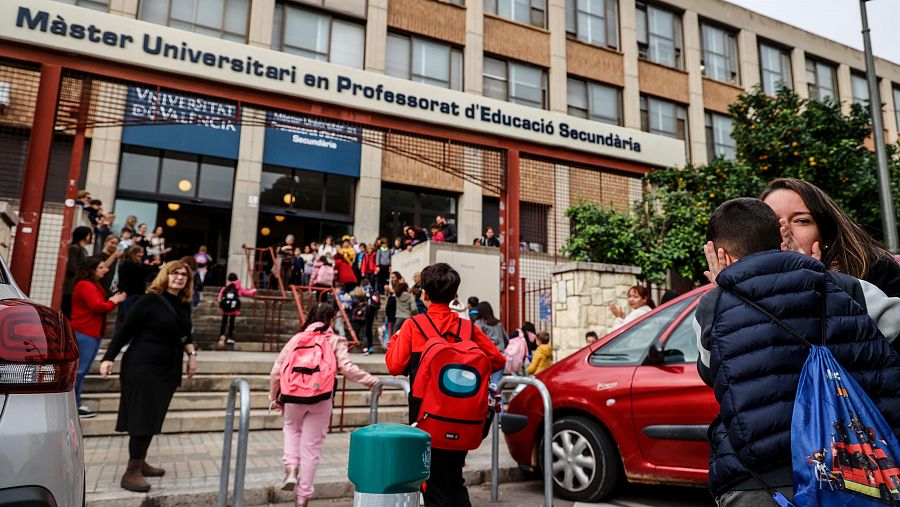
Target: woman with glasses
[158,332]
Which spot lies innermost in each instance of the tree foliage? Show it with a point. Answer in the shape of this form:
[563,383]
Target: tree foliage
[780,136]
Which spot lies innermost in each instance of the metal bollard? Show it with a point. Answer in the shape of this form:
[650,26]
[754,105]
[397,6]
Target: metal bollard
[376,392]
[548,439]
[243,435]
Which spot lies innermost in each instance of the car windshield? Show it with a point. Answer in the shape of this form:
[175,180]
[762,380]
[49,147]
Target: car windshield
[631,346]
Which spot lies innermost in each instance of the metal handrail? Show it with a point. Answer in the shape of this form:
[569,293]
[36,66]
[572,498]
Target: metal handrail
[548,436]
[243,435]
[376,392]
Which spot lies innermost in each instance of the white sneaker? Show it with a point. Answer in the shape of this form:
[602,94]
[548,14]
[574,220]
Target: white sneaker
[290,479]
[85,413]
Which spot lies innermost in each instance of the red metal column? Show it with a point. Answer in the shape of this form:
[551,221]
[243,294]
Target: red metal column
[36,168]
[71,189]
[509,224]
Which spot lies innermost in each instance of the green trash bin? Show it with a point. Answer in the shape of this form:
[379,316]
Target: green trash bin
[388,464]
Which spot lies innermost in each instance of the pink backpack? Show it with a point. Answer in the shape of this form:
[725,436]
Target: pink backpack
[515,353]
[325,275]
[309,373]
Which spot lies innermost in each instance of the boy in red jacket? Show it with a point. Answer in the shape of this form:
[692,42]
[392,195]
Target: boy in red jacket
[440,282]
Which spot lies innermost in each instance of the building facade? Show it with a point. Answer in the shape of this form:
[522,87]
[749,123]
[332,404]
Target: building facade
[291,142]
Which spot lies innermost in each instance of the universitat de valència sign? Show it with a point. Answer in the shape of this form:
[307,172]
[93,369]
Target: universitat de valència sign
[74,29]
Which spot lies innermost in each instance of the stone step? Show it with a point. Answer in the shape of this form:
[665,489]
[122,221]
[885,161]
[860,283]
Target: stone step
[189,401]
[214,420]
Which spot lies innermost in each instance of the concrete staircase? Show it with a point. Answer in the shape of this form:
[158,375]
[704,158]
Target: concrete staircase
[199,404]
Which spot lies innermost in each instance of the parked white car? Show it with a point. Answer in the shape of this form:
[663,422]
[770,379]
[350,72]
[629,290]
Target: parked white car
[41,453]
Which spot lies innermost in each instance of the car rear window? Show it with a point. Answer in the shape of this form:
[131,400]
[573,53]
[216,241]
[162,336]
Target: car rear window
[630,347]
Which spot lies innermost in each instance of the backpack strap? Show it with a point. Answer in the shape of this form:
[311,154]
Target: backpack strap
[778,321]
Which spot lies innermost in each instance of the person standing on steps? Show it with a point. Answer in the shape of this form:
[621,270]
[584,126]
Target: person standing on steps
[82,237]
[89,308]
[230,303]
[157,331]
[307,411]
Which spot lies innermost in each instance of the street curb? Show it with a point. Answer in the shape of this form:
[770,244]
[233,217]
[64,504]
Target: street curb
[263,493]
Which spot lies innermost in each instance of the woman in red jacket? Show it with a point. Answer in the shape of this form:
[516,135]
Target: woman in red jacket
[369,269]
[89,308]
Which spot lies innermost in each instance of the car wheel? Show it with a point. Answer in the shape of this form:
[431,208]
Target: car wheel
[839,483]
[586,465]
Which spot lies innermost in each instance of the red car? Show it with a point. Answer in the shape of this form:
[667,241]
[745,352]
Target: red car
[629,406]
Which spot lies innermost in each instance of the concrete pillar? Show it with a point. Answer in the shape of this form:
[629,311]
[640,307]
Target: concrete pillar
[376,36]
[469,211]
[798,71]
[473,54]
[367,211]
[845,88]
[889,110]
[262,22]
[748,53]
[559,222]
[102,176]
[631,94]
[556,22]
[245,204]
[692,57]
[127,8]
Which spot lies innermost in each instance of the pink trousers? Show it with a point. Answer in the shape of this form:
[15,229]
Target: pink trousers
[305,427]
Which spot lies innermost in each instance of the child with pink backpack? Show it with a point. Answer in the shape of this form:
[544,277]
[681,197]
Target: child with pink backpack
[302,385]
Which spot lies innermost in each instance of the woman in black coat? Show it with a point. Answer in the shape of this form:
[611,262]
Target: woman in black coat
[158,328]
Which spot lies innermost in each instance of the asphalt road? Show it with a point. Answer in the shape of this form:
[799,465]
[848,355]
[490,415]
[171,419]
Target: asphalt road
[527,494]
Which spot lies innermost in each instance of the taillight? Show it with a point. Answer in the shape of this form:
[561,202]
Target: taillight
[38,350]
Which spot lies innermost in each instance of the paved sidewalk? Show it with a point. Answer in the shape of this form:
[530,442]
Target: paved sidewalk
[193,462]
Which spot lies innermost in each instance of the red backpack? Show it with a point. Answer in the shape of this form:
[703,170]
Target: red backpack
[449,398]
[309,373]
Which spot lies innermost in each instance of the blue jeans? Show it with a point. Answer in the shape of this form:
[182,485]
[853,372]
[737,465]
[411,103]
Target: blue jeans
[87,351]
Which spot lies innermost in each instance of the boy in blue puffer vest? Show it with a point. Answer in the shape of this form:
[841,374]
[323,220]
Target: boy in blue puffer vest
[754,365]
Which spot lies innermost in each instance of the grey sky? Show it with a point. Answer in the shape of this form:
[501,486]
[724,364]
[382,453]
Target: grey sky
[839,20]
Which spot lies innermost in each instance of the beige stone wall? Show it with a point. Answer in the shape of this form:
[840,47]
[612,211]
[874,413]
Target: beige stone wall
[437,20]
[581,292]
[525,43]
[404,168]
[593,62]
[663,82]
[718,95]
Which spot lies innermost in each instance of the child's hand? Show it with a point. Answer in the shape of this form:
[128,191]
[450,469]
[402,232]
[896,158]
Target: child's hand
[789,244]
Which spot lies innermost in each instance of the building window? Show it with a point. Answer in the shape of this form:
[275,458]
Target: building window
[775,64]
[402,207]
[97,5]
[533,226]
[515,82]
[897,105]
[318,36]
[593,21]
[720,56]
[424,61]
[299,191]
[659,35]
[192,178]
[860,88]
[226,19]
[719,142]
[595,101]
[821,80]
[531,12]
[663,117]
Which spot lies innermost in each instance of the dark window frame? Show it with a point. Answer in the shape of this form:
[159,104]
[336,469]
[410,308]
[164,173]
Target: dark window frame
[711,145]
[784,54]
[323,211]
[417,210]
[157,196]
[545,84]
[644,46]
[610,19]
[587,87]
[731,42]
[279,44]
[534,9]
[220,28]
[411,39]
[814,87]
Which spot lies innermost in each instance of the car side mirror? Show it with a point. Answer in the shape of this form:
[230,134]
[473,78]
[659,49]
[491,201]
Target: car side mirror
[656,356]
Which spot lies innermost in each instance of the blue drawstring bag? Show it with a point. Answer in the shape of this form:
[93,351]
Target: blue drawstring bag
[843,452]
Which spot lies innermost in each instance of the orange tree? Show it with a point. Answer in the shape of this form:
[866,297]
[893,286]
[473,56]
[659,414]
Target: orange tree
[780,136]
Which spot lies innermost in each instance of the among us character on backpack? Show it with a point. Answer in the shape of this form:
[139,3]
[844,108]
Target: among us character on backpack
[230,303]
[302,385]
[449,362]
[800,360]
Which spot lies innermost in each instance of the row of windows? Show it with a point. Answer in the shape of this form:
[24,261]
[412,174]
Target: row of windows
[659,33]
